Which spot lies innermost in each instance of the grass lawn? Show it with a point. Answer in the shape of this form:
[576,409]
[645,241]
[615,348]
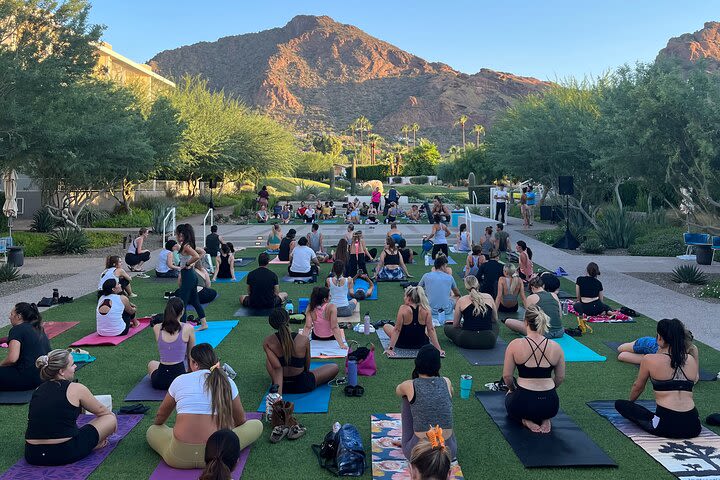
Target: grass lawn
[483,452]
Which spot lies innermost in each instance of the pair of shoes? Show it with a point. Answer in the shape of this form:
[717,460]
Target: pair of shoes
[354,390]
[133,295]
[64,299]
[498,386]
[142,275]
[169,295]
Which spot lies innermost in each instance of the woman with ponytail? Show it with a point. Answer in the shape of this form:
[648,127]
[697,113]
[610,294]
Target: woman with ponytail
[175,340]
[222,452]
[52,436]
[188,280]
[509,288]
[475,324]
[544,295]
[114,314]
[673,372]
[430,460]
[26,342]
[532,399]
[288,358]
[113,270]
[526,264]
[341,288]
[206,401]
[413,327]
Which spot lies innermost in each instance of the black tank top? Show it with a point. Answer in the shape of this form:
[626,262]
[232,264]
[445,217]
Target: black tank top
[392,259]
[477,324]
[50,414]
[224,270]
[212,244]
[284,253]
[412,335]
[295,362]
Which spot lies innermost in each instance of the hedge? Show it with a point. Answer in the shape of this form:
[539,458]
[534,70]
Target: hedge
[373,172]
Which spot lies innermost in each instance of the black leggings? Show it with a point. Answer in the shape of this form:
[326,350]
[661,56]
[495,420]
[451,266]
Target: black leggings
[441,247]
[127,318]
[536,406]
[591,309]
[13,379]
[303,383]
[313,271]
[165,374]
[207,295]
[77,448]
[482,340]
[188,292]
[670,424]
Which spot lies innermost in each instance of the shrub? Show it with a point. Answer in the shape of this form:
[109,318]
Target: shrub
[342,183]
[148,203]
[43,222]
[551,236]
[593,245]
[90,215]
[104,239]
[666,242]
[67,241]
[8,273]
[396,179]
[689,274]
[711,290]
[372,172]
[306,192]
[138,218]
[159,212]
[616,229]
[34,244]
[419,180]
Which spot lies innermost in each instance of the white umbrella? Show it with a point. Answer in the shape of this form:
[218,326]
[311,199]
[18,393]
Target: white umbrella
[10,206]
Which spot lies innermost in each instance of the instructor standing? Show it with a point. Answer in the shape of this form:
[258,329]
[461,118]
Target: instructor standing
[501,198]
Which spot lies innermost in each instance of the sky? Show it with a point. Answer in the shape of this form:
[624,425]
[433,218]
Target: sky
[546,39]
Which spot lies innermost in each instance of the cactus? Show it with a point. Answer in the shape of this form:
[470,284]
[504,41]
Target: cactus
[471,180]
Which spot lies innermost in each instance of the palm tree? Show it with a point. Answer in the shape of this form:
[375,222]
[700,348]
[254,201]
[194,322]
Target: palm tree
[398,151]
[479,130]
[453,150]
[461,121]
[415,128]
[375,140]
[406,130]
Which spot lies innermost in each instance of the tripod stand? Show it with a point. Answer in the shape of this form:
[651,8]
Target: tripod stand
[568,241]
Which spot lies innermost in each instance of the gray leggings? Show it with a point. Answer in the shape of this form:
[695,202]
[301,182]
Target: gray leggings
[347,310]
[409,439]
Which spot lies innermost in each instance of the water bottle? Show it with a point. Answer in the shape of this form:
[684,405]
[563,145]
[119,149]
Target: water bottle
[441,316]
[290,307]
[565,307]
[428,258]
[352,372]
[336,427]
[366,329]
[55,296]
[272,397]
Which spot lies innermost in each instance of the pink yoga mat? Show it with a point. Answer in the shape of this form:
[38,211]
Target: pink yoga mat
[278,262]
[52,329]
[164,472]
[95,339]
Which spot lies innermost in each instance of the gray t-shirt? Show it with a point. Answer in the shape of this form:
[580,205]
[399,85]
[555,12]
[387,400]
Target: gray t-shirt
[438,288]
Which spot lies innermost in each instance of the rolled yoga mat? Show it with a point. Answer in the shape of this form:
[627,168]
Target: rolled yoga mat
[95,339]
[81,469]
[144,392]
[316,401]
[693,458]
[565,446]
[399,352]
[361,284]
[494,356]
[705,376]
[215,333]
[238,277]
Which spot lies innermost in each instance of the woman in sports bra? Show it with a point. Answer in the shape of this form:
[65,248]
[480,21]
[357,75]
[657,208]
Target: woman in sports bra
[532,399]
[474,259]
[321,322]
[479,328]
[224,264]
[274,238]
[359,254]
[341,289]
[509,287]
[413,327]
[673,373]
[174,341]
[288,358]
[439,235]
[391,266]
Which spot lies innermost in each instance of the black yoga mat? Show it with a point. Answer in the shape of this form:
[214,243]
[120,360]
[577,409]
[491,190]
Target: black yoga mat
[565,446]
[494,356]
[563,295]
[16,398]
[253,312]
[705,376]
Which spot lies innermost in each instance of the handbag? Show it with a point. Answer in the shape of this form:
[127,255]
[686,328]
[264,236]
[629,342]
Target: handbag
[365,358]
[342,452]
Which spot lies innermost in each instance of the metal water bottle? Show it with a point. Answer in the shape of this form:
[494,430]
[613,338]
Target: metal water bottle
[290,308]
[441,316]
[366,329]
[272,397]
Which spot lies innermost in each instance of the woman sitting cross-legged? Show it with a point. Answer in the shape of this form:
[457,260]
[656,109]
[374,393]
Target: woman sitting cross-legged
[52,436]
[114,270]
[288,358]
[413,326]
[174,341]
[391,265]
[222,452]
[303,260]
[589,293]
[673,373]
[476,310]
[341,288]
[426,400]
[321,321]
[166,267]
[509,288]
[26,342]
[114,313]
[224,264]
[532,399]
[543,295]
[206,400]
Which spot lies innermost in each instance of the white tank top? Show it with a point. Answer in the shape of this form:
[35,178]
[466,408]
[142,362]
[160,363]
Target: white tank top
[162,261]
[107,275]
[440,238]
[132,248]
[111,324]
[339,294]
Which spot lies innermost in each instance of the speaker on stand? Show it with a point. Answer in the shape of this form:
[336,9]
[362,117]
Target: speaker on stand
[212,184]
[566,187]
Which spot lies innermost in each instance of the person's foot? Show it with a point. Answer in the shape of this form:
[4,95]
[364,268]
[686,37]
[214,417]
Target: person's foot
[203,325]
[133,295]
[545,426]
[532,426]
[142,275]
[102,444]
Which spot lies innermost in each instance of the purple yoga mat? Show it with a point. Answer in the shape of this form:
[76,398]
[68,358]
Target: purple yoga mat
[144,391]
[164,472]
[81,469]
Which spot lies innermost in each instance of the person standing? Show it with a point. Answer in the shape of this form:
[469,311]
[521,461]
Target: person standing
[501,198]
[263,196]
[524,207]
[530,204]
[213,242]
[392,197]
[375,198]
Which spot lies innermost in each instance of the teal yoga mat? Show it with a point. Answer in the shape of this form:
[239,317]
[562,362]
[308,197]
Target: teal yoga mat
[576,351]
[215,333]
[450,262]
[238,276]
[361,284]
[317,401]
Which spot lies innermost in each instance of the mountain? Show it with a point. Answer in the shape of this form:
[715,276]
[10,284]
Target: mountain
[319,75]
[692,47]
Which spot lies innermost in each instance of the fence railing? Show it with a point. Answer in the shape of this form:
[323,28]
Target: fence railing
[170,215]
[211,214]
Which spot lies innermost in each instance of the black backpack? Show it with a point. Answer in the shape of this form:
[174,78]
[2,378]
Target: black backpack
[342,453]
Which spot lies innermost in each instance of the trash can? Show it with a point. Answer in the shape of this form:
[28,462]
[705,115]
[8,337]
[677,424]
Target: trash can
[703,254]
[16,257]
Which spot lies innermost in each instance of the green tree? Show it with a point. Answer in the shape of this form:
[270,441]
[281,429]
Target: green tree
[405,130]
[473,160]
[478,130]
[328,144]
[422,160]
[314,165]
[414,128]
[462,121]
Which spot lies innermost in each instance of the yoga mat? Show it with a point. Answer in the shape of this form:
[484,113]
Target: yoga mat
[361,284]
[432,262]
[81,469]
[238,277]
[190,308]
[455,250]
[494,356]
[95,339]
[329,221]
[215,333]
[705,376]
[243,261]
[693,458]
[144,392]
[279,262]
[519,315]
[316,401]
[16,398]
[52,329]
[253,312]
[399,352]
[563,295]
[289,279]
[576,351]
[326,349]
[565,446]
[165,472]
[388,460]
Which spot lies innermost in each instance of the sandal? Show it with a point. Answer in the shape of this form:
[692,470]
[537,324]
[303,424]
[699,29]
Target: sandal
[278,433]
[296,431]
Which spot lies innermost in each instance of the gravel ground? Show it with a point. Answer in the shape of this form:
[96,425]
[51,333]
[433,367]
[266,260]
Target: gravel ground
[663,280]
[27,282]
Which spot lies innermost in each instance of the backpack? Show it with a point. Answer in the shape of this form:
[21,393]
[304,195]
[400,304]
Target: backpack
[342,453]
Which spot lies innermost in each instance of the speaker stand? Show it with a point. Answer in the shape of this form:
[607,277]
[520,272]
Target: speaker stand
[568,241]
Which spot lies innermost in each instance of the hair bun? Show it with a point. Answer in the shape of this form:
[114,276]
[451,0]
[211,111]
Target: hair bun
[42,361]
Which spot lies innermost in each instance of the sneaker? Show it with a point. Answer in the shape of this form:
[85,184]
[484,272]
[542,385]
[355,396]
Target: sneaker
[133,295]
[142,275]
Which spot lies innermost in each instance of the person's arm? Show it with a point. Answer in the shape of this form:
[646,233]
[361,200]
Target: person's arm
[331,311]
[128,307]
[308,322]
[523,298]
[156,331]
[531,299]
[577,292]
[217,268]
[381,260]
[638,386]
[13,353]
[322,247]
[88,400]
[432,233]
[601,296]
[192,253]
[457,314]
[191,341]
[404,389]
[432,334]
[560,369]
[395,333]
[315,260]
[447,231]
[238,411]
[170,264]
[123,274]
[499,296]
[140,242]
[351,286]
[454,287]
[274,363]
[509,368]
[166,408]
[365,250]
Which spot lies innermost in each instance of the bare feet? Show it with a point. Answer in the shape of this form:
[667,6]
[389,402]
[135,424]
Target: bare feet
[545,426]
[203,325]
[532,426]
[102,444]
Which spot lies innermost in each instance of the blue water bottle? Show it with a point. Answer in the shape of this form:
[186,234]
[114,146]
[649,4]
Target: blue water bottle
[290,308]
[352,372]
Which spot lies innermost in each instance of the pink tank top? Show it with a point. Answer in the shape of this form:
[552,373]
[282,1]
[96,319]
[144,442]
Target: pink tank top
[321,325]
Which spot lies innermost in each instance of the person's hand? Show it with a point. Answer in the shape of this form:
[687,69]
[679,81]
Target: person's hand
[409,276]
[134,323]
[389,353]
[343,346]
[442,353]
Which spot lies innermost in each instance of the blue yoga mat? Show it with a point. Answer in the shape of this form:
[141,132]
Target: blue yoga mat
[329,221]
[576,351]
[317,401]
[361,284]
[215,332]
[449,259]
[238,276]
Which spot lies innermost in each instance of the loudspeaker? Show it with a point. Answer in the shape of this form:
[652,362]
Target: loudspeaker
[213,183]
[566,185]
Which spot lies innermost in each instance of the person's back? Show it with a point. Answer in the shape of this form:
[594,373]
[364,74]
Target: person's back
[110,323]
[477,322]
[224,271]
[212,244]
[262,283]
[284,251]
[339,291]
[432,404]
[301,259]
[438,286]
[50,414]
[414,320]
[488,275]
[314,240]
[501,237]
[551,306]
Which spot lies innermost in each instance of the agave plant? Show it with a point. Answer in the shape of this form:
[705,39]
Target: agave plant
[43,222]
[8,273]
[689,274]
[616,228]
[68,241]
[593,245]
[90,215]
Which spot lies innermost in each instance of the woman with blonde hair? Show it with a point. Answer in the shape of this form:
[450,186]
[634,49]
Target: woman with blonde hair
[475,324]
[413,327]
[52,436]
[509,287]
[431,460]
[532,399]
[206,400]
